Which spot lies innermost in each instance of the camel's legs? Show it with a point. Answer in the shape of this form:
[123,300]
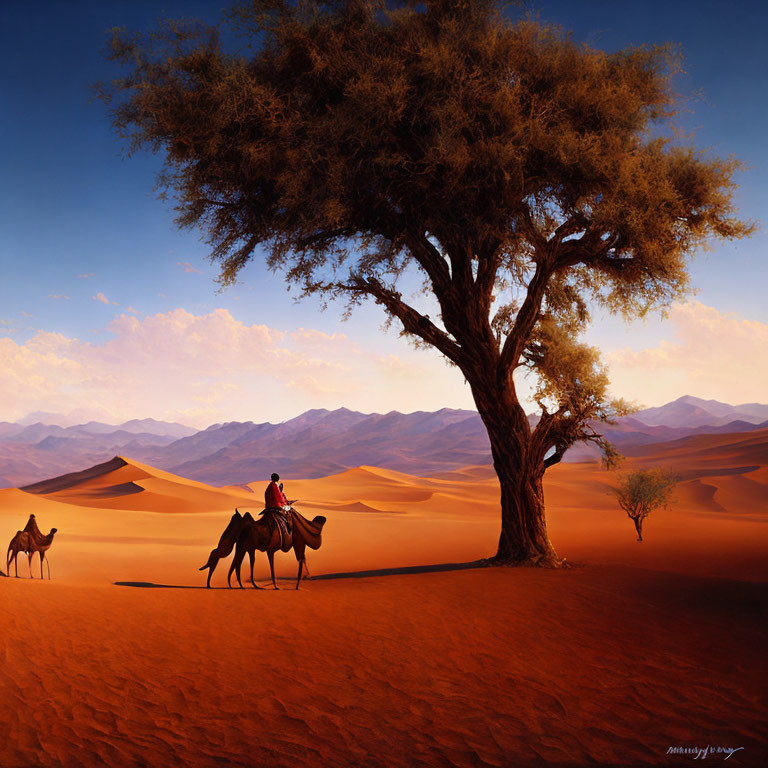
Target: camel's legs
[236,560]
[211,569]
[252,556]
[271,556]
[48,566]
[42,557]
[236,563]
[29,563]
[299,552]
[213,561]
[231,571]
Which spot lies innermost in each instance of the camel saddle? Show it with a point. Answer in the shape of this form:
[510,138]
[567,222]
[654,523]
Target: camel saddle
[280,521]
[293,525]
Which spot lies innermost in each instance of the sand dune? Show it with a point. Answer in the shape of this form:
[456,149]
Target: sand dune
[130,485]
[639,647]
[353,506]
[722,451]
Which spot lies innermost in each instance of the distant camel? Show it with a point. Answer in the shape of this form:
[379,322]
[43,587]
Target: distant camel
[268,535]
[39,543]
[226,543]
[21,542]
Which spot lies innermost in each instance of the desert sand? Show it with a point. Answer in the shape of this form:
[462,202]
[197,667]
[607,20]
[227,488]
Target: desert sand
[124,659]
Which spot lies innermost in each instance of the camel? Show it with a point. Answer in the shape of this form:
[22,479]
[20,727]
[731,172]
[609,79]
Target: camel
[226,543]
[40,543]
[268,535]
[29,541]
[21,542]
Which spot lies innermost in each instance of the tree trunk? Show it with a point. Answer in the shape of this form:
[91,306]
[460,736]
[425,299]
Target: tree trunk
[520,469]
[523,538]
[639,527]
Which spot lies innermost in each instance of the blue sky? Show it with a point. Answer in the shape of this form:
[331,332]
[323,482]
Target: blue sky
[78,220]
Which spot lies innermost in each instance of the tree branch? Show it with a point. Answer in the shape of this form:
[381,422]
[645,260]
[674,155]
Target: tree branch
[547,261]
[413,321]
[571,226]
[487,267]
[555,458]
[321,238]
[526,318]
[531,231]
[591,248]
[430,259]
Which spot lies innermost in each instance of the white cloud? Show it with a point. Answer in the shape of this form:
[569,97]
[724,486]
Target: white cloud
[103,299]
[86,276]
[712,355]
[205,368]
[201,369]
[58,296]
[188,267]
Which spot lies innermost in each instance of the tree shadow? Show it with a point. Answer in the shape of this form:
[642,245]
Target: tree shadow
[409,569]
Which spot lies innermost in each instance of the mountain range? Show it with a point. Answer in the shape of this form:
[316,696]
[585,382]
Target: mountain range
[321,442]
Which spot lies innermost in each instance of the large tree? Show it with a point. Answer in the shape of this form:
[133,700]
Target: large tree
[524,176]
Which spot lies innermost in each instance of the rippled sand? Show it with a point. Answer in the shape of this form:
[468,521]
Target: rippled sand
[636,649]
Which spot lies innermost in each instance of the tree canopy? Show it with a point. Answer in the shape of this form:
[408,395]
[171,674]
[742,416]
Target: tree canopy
[525,176]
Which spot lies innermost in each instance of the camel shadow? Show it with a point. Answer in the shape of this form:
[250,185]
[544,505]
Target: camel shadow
[408,569]
[152,585]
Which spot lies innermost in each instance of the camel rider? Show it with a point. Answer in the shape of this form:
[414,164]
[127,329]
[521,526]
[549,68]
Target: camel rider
[275,500]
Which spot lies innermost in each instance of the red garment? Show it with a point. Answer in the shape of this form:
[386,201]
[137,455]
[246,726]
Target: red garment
[274,497]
